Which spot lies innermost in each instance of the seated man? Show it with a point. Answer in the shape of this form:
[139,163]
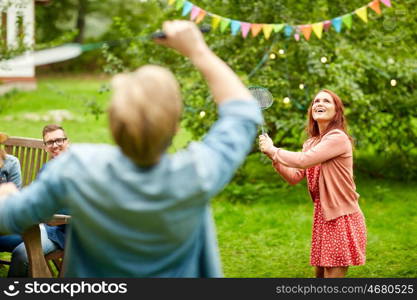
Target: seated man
[52,237]
[136,210]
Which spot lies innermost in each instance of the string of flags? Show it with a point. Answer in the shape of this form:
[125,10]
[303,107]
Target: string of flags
[197,14]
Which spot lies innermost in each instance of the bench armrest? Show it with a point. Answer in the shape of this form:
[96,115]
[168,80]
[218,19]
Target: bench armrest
[58,219]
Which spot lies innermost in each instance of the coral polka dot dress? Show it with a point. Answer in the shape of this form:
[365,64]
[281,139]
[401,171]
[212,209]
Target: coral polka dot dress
[340,242]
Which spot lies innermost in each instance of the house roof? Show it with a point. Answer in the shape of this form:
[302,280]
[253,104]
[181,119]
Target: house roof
[42,1]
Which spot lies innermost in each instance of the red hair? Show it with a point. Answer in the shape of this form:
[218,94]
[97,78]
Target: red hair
[338,122]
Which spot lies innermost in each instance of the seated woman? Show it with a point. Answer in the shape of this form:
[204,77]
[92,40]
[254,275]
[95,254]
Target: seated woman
[9,172]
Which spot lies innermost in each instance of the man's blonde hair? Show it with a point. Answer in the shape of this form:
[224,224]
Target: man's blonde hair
[144,112]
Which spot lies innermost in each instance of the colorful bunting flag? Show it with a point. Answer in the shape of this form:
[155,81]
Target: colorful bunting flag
[235,26]
[306,30]
[278,27]
[255,29]
[337,24]
[194,12]
[245,27]
[347,20]
[180,4]
[386,2]
[361,12]
[326,25]
[375,6]
[200,16]
[287,30]
[224,24]
[318,29]
[297,37]
[267,29]
[215,21]
[188,6]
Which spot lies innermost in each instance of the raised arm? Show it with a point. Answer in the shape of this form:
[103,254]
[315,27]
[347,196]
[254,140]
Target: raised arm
[225,146]
[185,37]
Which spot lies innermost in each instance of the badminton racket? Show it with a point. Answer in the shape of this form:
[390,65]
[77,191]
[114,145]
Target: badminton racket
[264,98]
[71,50]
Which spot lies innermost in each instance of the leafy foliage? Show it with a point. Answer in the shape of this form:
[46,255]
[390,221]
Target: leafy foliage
[361,63]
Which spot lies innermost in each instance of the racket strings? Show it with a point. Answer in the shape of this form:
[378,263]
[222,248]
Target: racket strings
[263,96]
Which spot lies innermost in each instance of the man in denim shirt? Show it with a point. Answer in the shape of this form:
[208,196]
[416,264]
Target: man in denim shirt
[136,210]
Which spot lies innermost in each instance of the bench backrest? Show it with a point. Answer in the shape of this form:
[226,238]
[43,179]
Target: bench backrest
[31,154]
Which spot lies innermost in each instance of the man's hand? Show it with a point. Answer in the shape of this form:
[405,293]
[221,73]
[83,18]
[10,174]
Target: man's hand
[183,36]
[7,189]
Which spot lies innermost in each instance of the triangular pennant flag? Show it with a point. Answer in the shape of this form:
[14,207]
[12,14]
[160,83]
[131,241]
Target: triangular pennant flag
[188,6]
[194,12]
[200,16]
[235,26]
[170,2]
[179,4]
[215,21]
[297,37]
[318,29]
[386,2]
[361,12]
[267,29]
[278,27]
[326,25]
[287,30]
[245,28]
[223,24]
[306,30]
[347,19]
[337,24]
[255,29]
[375,6]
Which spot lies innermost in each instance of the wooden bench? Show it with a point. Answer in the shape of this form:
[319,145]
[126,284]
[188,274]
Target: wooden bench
[32,157]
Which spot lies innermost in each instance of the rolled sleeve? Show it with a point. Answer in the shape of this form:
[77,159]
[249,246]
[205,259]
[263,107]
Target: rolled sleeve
[243,109]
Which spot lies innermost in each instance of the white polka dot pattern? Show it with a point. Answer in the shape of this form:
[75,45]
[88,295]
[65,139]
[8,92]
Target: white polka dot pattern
[338,242]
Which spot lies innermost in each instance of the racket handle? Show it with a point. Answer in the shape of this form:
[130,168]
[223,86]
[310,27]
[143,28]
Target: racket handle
[161,34]
[263,129]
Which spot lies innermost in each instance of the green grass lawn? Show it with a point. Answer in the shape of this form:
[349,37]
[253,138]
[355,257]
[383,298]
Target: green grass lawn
[263,225]
[270,236]
[68,101]
[25,113]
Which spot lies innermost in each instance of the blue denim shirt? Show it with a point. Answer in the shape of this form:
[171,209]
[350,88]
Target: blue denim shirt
[56,233]
[129,221]
[10,172]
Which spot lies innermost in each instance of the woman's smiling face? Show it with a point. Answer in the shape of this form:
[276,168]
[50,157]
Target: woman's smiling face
[323,107]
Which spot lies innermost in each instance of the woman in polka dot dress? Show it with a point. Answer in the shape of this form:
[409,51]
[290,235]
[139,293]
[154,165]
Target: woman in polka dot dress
[339,230]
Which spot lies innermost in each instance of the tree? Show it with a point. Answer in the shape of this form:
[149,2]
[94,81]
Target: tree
[371,66]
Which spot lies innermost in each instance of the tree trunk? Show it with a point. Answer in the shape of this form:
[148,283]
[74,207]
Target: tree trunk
[82,12]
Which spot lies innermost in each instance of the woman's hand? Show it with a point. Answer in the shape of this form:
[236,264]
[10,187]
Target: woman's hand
[7,189]
[266,145]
